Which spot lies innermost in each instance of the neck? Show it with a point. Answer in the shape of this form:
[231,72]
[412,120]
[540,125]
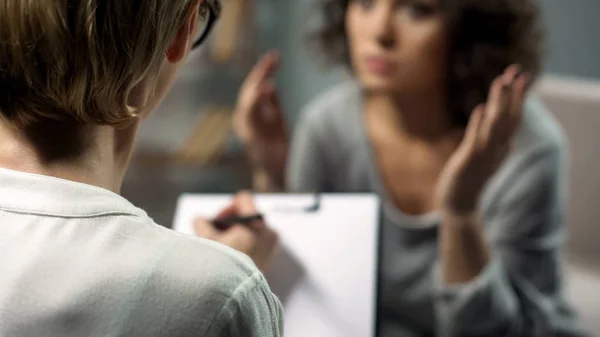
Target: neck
[100,160]
[418,118]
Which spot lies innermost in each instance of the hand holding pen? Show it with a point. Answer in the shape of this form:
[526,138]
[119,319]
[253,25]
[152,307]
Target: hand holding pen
[241,227]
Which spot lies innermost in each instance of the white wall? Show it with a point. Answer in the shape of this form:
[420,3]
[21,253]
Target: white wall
[576,105]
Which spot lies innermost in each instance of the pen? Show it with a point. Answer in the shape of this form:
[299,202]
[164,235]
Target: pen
[227,222]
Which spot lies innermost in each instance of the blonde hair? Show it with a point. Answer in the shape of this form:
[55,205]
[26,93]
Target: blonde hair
[77,61]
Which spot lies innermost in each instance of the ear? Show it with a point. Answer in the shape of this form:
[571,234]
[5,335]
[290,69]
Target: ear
[183,39]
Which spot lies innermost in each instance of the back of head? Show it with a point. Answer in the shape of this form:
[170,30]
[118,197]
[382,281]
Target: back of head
[77,61]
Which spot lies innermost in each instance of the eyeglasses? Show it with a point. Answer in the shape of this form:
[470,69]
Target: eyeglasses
[210,10]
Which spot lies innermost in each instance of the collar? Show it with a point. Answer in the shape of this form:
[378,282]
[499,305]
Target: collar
[44,195]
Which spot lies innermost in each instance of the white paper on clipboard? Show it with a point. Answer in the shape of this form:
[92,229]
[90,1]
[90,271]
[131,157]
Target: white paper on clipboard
[325,273]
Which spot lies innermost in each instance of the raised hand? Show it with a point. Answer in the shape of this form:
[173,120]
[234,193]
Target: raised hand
[487,141]
[259,121]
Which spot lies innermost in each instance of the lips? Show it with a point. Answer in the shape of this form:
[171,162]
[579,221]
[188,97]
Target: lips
[379,65]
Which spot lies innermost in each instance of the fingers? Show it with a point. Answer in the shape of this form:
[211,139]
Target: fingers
[272,112]
[254,83]
[259,246]
[511,72]
[521,85]
[504,105]
[497,106]
[512,107]
[240,238]
[265,239]
[474,126]
[205,229]
[244,203]
[256,240]
[230,211]
[265,249]
[265,67]
[254,93]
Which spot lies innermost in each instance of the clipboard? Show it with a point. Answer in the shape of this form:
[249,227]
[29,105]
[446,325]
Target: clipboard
[326,270]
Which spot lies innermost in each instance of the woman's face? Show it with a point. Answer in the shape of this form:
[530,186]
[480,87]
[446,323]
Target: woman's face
[398,45]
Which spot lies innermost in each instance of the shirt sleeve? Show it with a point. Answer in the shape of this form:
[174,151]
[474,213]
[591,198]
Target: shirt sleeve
[519,292]
[251,311]
[307,168]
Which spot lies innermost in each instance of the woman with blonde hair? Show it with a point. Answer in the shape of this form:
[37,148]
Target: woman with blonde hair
[76,79]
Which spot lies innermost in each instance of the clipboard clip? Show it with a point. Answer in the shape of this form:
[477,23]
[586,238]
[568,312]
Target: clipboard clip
[316,205]
[313,207]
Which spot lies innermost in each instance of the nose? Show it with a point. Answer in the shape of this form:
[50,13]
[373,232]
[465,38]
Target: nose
[383,25]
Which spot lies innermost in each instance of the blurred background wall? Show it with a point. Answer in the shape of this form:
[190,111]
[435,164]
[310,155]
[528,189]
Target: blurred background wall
[573,27]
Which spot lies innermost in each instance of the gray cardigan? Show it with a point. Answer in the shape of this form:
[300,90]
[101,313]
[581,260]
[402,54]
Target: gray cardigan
[518,294]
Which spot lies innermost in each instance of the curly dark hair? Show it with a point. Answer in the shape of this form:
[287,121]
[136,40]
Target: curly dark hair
[485,38]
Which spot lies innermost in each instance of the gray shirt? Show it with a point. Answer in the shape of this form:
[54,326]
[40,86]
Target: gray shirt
[518,293]
[78,260]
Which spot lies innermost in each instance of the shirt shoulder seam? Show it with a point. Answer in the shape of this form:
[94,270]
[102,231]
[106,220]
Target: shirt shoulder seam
[68,216]
[251,280]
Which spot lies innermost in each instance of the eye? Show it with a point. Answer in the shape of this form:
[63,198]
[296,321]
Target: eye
[203,20]
[420,9]
[203,12]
